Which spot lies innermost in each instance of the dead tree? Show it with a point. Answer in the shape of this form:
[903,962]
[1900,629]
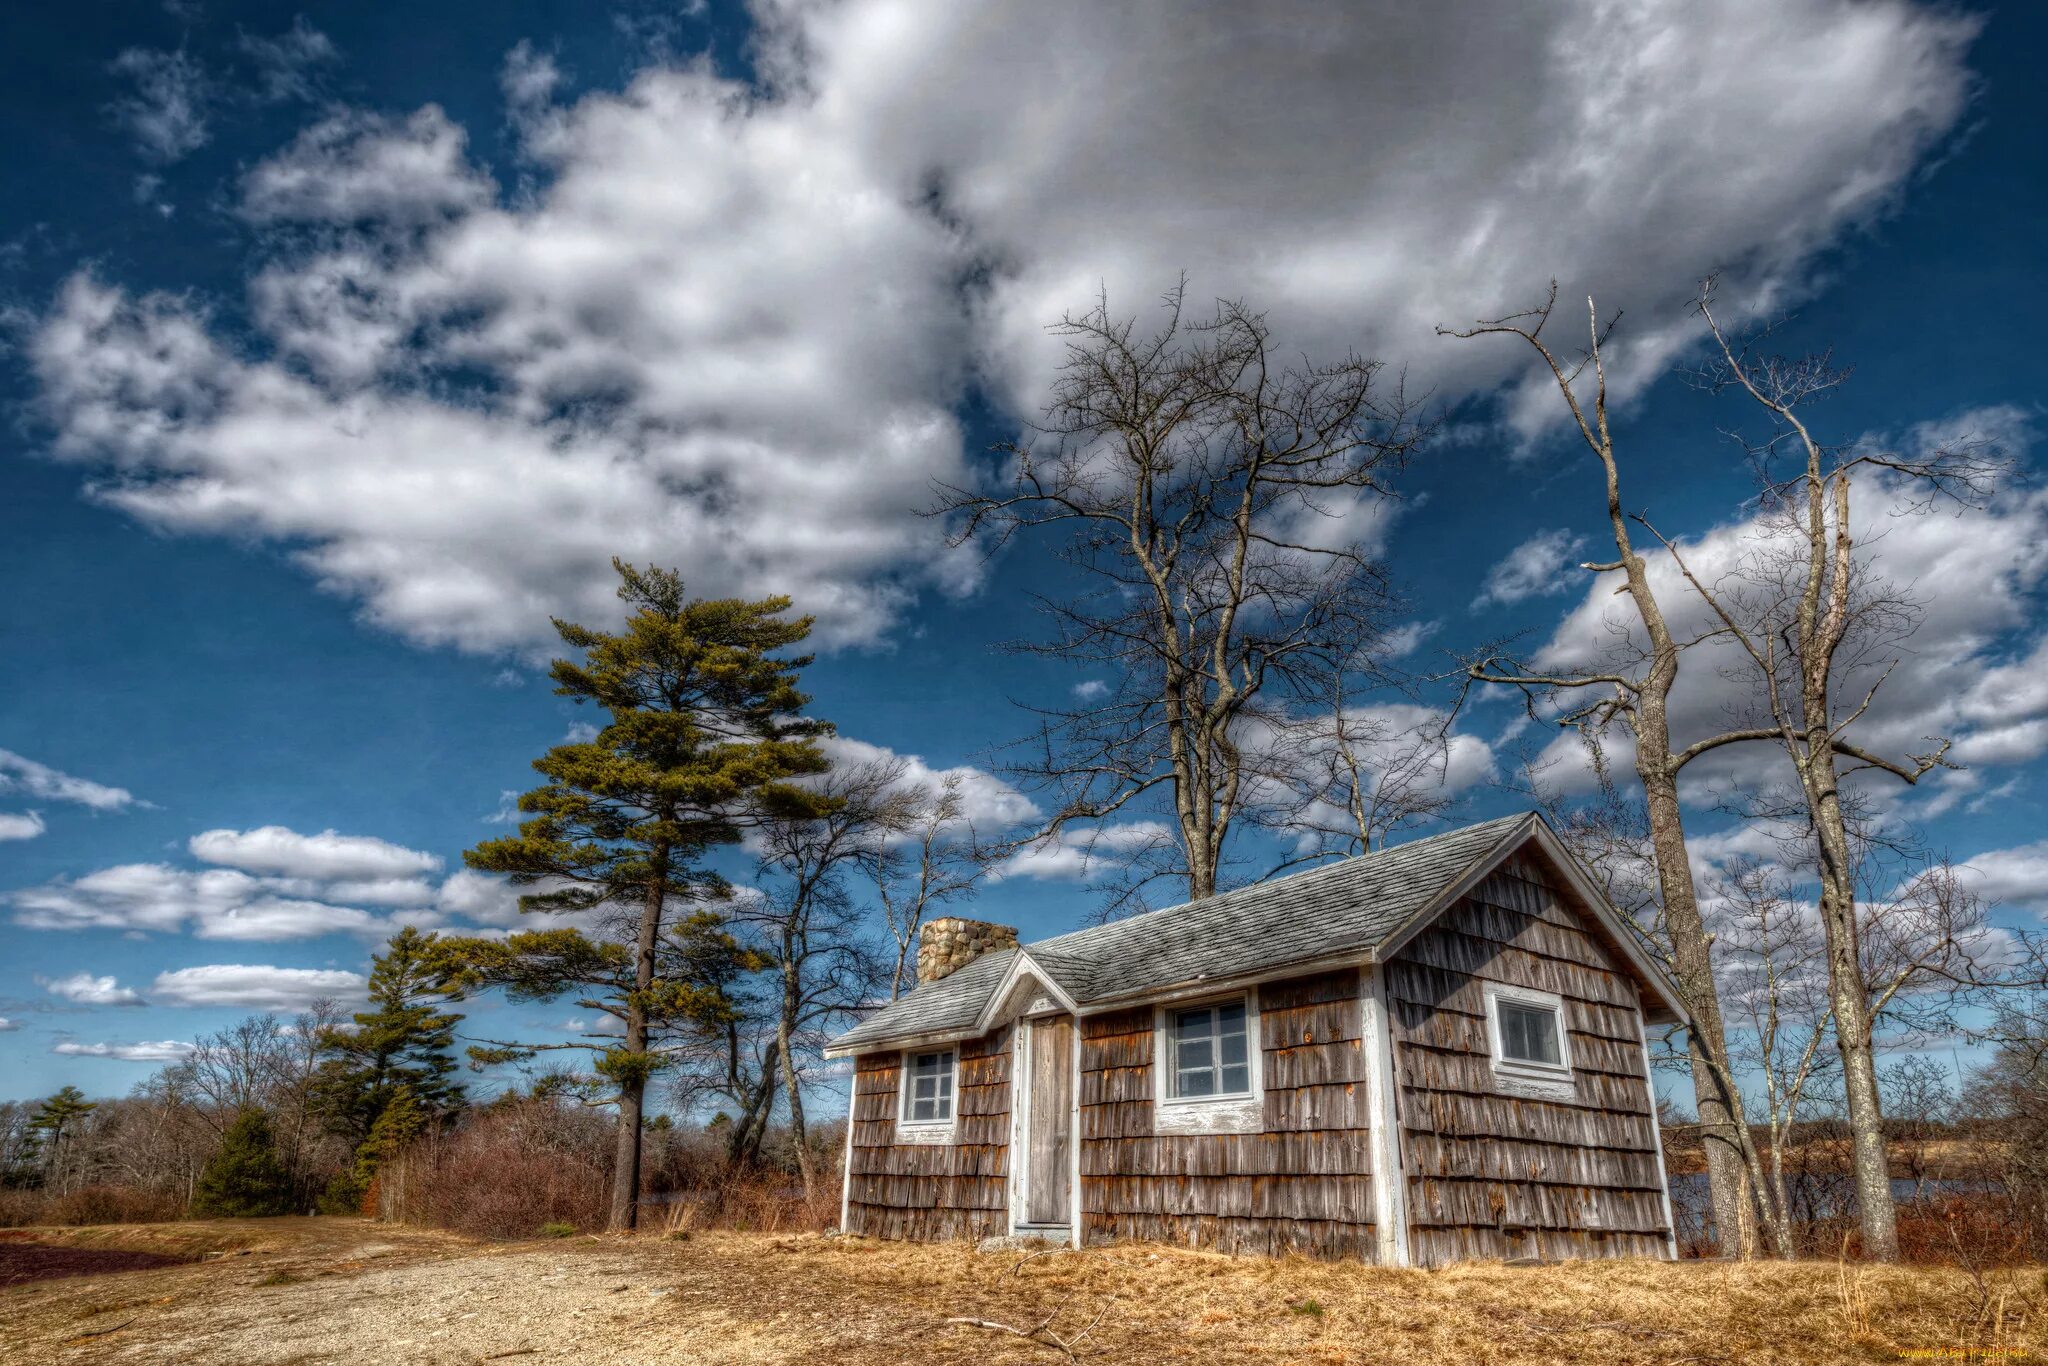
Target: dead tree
[1812,620]
[1636,693]
[1775,965]
[807,924]
[936,861]
[1217,504]
[1343,780]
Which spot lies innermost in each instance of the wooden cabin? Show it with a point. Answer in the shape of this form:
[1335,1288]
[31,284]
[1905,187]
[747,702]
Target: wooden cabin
[1428,1053]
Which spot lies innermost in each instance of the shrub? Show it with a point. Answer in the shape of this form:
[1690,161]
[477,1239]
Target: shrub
[244,1179]
[112,1205]
[19,1207]
[507,1170]
[557,1229]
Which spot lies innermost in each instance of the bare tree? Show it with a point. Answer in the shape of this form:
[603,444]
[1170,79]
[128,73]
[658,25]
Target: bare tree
[1217,503]
[233,1070]
[936,861]
[2013,1086]
[1345,779]
[1775,963]
[1817,626]
[300,1135]
[1634,691]
[811,928]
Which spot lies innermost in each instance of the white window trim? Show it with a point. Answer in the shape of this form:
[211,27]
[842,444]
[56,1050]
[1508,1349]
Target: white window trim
[1238,1113]
[1540,1080]
[925,1131]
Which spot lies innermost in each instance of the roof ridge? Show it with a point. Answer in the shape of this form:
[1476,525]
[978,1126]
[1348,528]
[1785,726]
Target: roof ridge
[1271,882]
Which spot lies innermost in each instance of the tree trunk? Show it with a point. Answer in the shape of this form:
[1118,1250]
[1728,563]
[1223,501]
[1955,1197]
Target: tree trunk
[785,1026]
[744,1147]
[1781,1205]
[625,1211]
[1820,636]
[1847,994]
[1718,1104]
[798,1138]
[902,960]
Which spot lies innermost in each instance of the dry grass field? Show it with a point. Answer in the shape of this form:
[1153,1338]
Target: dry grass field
[336,1290]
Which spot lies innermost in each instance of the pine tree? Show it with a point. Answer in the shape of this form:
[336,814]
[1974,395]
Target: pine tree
[244,1179]
[401,1120]
[703,740]
[403,1044]
[54,1120]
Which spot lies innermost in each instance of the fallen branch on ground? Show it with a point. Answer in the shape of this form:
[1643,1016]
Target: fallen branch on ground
[1041,1333]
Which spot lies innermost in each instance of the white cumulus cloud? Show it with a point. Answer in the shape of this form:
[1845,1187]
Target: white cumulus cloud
[1538,566]
[1968,671]
[730,328]
[166,109]
[253,986]
[160,1050]
[987,801]
[1078,852]
[20,825]
[83,988]
[282,852]
[24,775]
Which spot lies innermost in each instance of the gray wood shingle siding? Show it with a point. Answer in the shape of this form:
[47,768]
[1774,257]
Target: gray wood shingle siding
[932,1190]
[1500,1175]
[1301,1185]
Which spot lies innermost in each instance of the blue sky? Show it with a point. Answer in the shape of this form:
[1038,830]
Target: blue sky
[345,343]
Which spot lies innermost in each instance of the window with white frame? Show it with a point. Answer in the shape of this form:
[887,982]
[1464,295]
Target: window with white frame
[928,1087]
[1527,1033]
[1208,1051]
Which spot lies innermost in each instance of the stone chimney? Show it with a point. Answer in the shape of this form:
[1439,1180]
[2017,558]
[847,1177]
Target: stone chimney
[948,944]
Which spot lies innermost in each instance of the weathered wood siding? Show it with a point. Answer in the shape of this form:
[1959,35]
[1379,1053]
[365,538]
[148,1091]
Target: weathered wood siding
[1302,1185]
[928,1191]
[1492,1174]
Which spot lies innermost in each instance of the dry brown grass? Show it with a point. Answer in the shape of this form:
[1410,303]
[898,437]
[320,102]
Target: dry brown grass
[344,1290]
[1169,1305]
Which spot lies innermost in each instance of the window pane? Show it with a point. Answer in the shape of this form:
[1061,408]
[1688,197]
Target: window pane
[931,1088]
[1210,1054]
[1528,1033]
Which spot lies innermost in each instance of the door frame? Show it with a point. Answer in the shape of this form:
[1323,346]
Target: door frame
[1020,1121]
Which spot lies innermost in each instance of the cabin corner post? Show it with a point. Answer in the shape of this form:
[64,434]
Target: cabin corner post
[1389,1179]
[1077,1217]
[846,1166]
[1014,1163]
[1657,1138]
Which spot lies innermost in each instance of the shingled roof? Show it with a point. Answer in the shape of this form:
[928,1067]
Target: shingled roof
[1353,906]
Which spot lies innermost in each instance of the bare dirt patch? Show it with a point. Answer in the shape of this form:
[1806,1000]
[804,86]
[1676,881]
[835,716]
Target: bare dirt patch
[22,1262]
[336,1290]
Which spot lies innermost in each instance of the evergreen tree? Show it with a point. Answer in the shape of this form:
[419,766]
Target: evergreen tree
[54,1120]
[402,1044]
[244,1179]
[401,1120]
[60,1114]
[702,740]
